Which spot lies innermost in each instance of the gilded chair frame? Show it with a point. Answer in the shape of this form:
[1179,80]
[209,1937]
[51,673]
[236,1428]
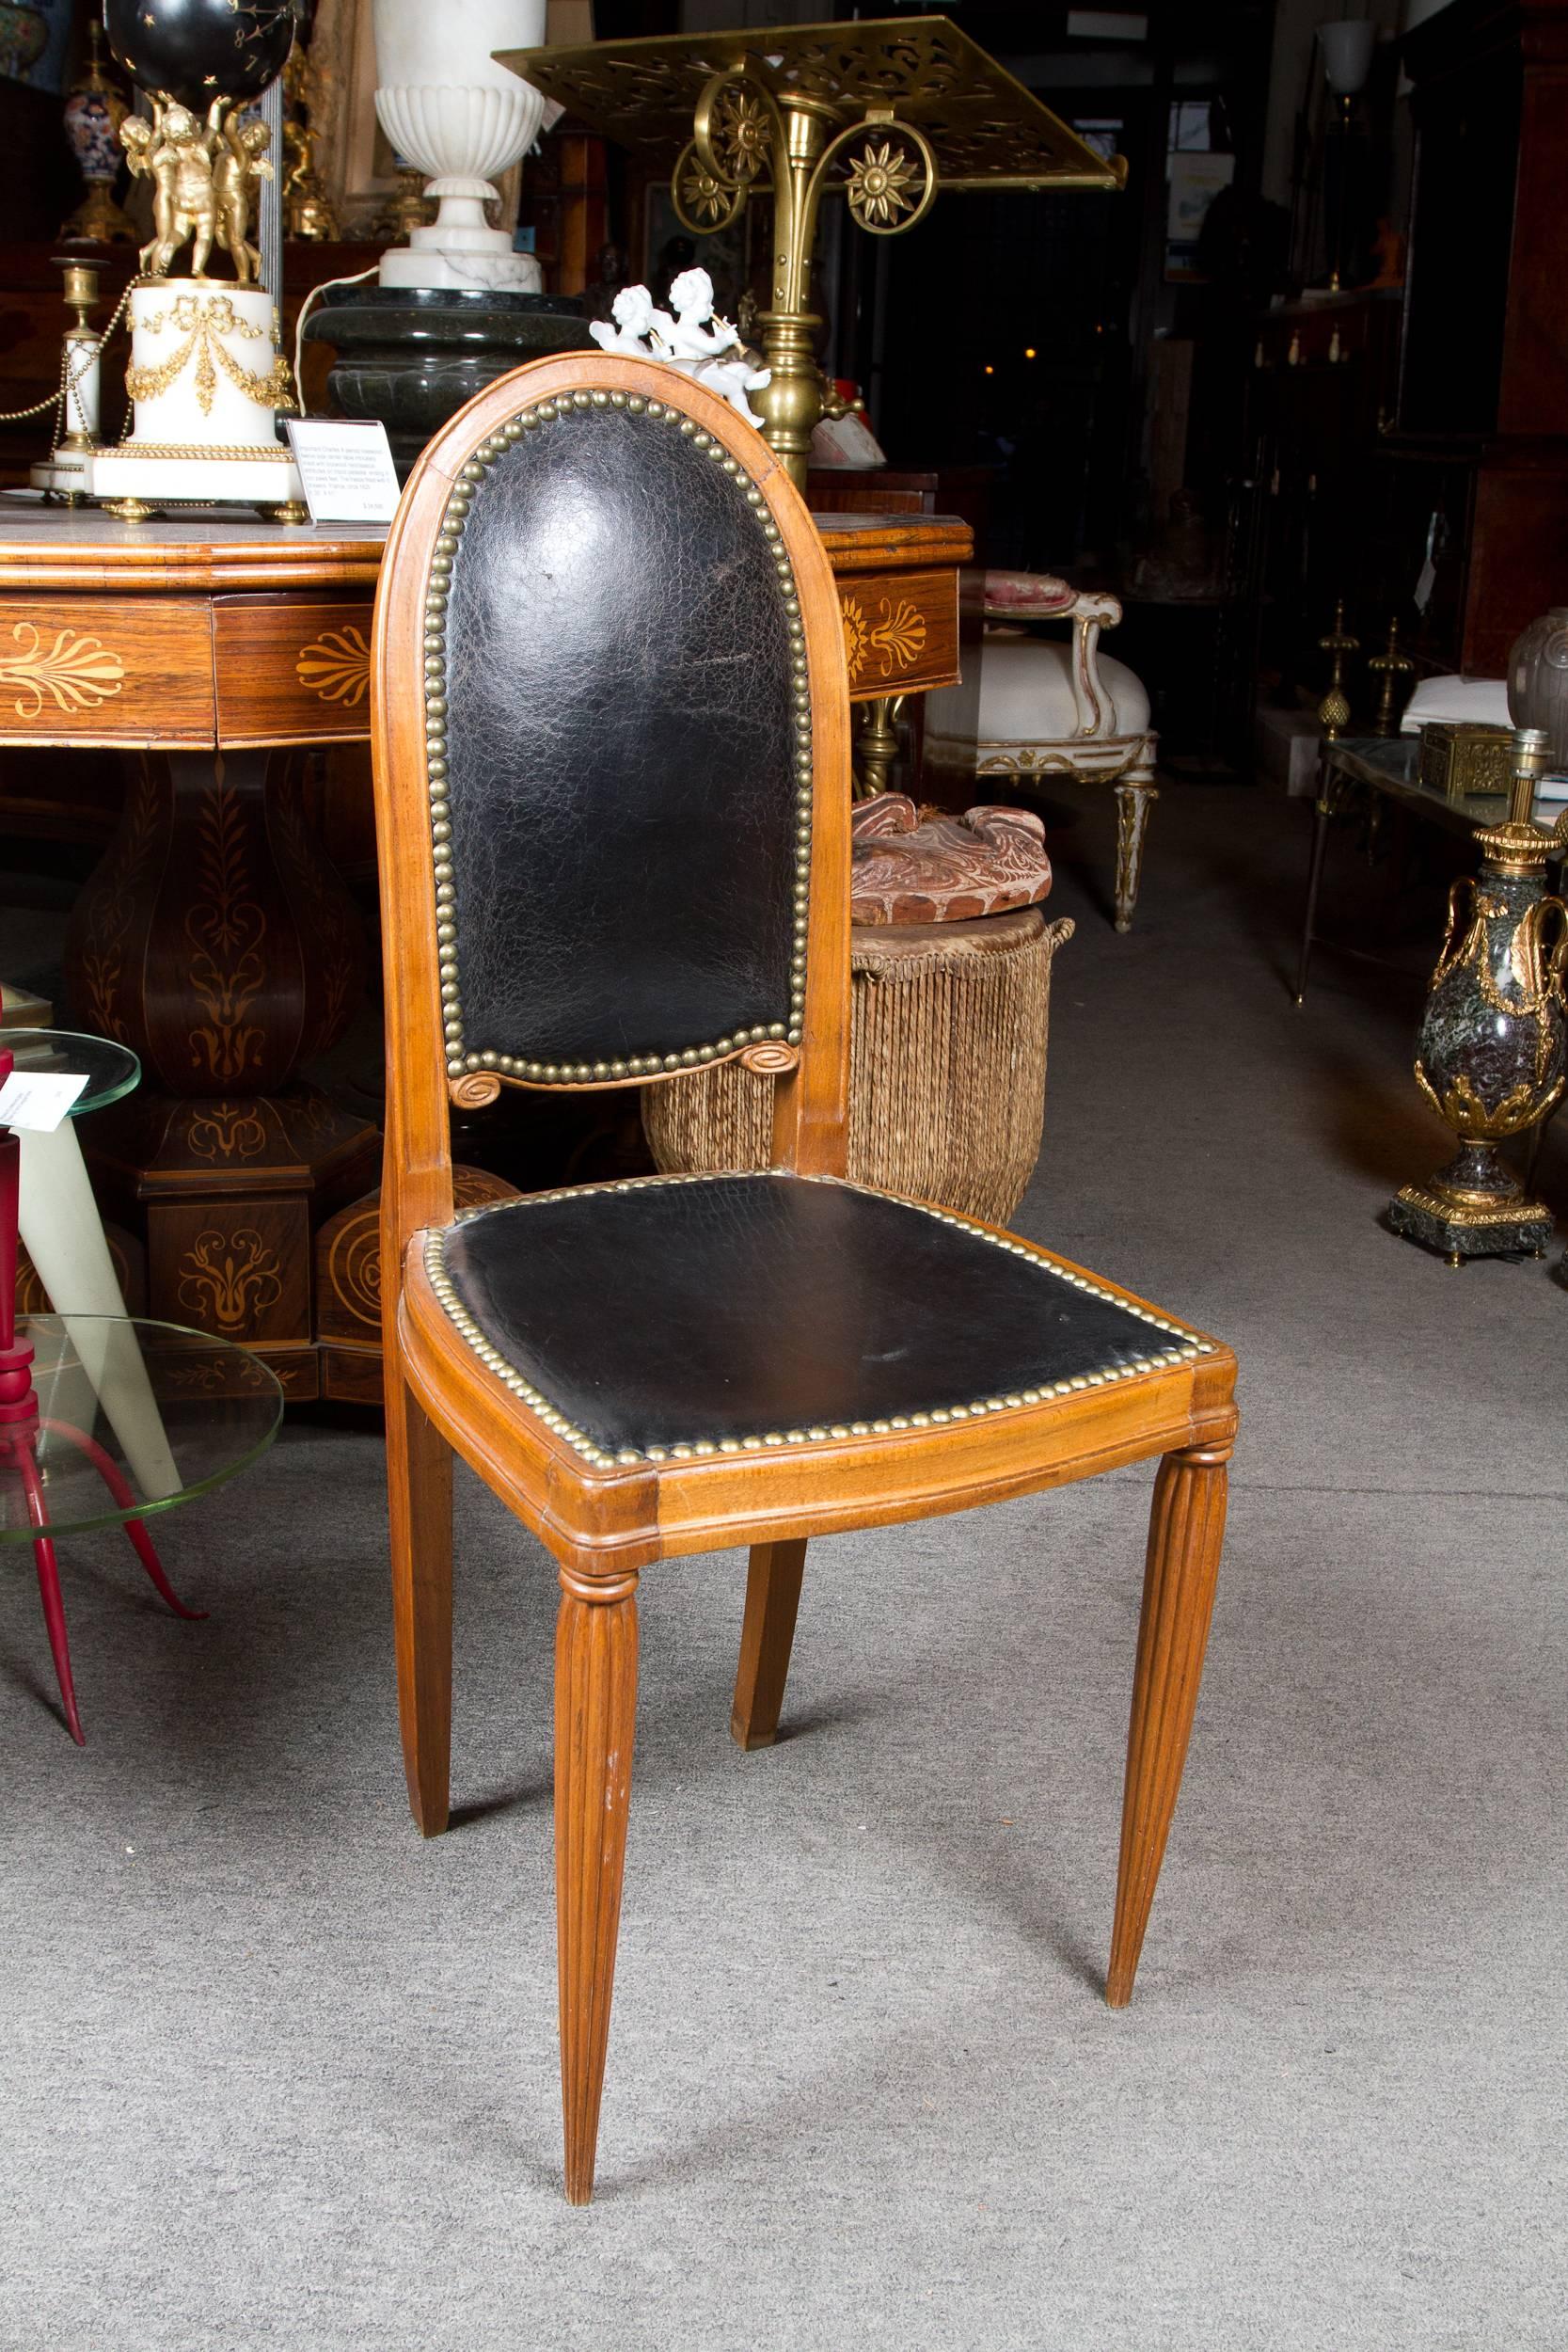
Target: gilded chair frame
[603,1518]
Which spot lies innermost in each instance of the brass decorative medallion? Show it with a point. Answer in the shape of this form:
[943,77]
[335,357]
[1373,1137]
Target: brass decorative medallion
[703,197]
[76,671]
[882,183]
[336,667]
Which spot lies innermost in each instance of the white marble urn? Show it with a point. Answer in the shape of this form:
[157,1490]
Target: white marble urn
[451,110]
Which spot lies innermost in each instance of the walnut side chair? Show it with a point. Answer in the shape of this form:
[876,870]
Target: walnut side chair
[612,749]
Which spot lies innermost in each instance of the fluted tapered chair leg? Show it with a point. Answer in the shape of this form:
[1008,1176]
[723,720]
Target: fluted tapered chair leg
[595,1722]
[1186,1530]
[767,1636]
[419,1495]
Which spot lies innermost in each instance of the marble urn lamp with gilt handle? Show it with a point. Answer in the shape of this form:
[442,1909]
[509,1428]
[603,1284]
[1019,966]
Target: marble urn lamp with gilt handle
[883,112]
[206,379]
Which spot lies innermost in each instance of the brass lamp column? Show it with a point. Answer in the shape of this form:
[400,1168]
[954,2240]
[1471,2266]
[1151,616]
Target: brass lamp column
[743,129]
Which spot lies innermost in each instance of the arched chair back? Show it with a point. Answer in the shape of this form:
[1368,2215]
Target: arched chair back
[612,820]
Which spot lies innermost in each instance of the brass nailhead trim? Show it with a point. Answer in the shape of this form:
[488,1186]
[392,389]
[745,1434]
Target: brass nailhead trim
[938,1417]
[459,1056]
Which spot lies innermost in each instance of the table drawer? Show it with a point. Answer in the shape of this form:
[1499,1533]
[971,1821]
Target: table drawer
[900,631]
[110,670]
[291,672]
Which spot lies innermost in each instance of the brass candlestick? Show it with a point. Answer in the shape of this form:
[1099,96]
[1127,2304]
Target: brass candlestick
[1392,665]
[1493,1046]
[1334,710]
[876,111]
[80,421]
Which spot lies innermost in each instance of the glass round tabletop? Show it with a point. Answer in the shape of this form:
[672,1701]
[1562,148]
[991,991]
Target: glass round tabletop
[111,1069]
[134,1418]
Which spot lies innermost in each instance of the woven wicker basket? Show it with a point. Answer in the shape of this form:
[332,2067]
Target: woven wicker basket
[947,1069]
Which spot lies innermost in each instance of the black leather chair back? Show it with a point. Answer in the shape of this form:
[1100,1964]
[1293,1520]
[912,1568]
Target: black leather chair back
[620,749]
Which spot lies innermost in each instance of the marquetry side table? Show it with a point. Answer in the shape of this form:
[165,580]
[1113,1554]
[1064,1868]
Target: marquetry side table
[215,939]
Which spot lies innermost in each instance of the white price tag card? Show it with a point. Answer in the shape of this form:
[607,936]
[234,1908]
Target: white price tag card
[38,1099]
[347,469]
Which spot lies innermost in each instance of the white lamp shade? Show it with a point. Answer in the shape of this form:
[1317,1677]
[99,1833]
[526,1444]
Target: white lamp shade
[441,98]
[448,43]
[1347,48]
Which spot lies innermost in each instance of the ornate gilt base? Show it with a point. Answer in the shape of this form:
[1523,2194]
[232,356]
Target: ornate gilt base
[1459,1228]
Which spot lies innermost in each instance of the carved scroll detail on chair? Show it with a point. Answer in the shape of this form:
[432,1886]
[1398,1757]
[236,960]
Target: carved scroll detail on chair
[1041,597]
[947,870]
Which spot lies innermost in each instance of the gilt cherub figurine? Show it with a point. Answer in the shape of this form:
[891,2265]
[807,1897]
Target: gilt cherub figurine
[202,177]
[240,159]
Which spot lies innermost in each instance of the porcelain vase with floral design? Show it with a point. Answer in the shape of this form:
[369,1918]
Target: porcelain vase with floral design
[93,114]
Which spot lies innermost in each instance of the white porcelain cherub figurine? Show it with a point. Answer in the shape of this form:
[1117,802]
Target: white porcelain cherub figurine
[636,319]
[690,336]
[733,378]
[712,354]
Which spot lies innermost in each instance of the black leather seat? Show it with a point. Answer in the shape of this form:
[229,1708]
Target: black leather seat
[710,1314]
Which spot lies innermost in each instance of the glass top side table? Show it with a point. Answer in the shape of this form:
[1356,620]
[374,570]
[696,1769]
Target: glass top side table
[110,1070]
[103,1421]
[1388,767]
[221,1408]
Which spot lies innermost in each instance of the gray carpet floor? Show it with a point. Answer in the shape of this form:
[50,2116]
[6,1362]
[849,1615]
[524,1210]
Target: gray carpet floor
[274,2072]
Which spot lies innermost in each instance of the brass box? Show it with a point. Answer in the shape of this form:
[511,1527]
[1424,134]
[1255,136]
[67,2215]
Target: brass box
[1461,759]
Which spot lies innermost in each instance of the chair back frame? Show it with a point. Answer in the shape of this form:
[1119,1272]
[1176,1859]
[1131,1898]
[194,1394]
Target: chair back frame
[810,1092]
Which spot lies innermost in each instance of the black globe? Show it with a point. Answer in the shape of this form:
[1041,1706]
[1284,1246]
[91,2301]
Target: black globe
[199,50]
